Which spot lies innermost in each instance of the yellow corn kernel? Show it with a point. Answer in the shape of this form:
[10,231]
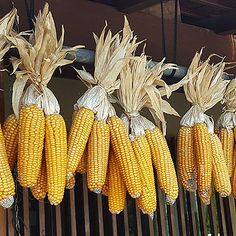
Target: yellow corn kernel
[10,132]
[82,166]
[206,199]
[98,152]
[82,123]
[116,189]
[227,140]
[106,184]
[7,186]
[220,172]
[234,157]
[203,154]
[147,202]
[39,191]
[125,157]
[30,144]
[70,184]
[56,157]
[186,160]
[233,182]
[163,164]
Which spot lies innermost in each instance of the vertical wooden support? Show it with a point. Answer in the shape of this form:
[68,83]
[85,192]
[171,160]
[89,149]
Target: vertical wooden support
[221,215]
[161,203]
[72,213]
[151,227]
[100,215]
[58,220]
[172,223]
[26,212]
[126,221]
[86,207]
[138,219]
[10,225]
[114,225]
[42,230]
[213,219]
[202,217]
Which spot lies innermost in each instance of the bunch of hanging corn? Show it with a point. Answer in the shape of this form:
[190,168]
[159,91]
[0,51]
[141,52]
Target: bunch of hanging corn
[40,126]
[7,186]
[138,90]
[226,126]
[90,124]
[198,154]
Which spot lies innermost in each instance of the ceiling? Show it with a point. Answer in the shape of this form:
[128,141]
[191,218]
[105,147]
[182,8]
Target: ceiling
[216,15]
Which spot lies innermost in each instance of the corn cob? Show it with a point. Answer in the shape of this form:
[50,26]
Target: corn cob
[125,157]
[234,157]
[105,187]
[39,190]
[206,199]
[163,164]
[220,174]
[233,182]
[147,201]
[30,144]
[82,123]
[116,189]
[10,132]
[98,152]
[217,131]
[70,184]
[7,186]
[227,140]
[185,159]
[56,157]
[82,166]
[203,154]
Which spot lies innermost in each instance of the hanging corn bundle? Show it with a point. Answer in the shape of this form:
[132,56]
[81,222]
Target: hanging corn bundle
[37,108]
[89,123]
[195,144]
[226,124]
[7,187]
[227,131]
[138,90]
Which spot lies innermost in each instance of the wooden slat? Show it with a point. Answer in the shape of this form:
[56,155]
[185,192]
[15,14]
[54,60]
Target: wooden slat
[100,215]
[192,207]
[114,225]
[232,214]
[86,207]
[171,216]
[42,229]
[126,221]
[72,213]
[3,220]
[161,212]
[10,226]
[151,227]
[58,220]
[26,212]
[181,211]
[138,220]
[202,217]
[221,215]
[213,219]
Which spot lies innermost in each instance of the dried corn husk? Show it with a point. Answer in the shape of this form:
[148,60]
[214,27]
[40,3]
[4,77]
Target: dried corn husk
[110,58]
[39,58]
[6,28]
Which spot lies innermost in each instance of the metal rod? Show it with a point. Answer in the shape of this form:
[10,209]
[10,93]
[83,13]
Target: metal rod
[87,56]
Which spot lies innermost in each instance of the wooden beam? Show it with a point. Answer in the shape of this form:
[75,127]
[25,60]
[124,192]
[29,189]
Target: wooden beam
[134,5]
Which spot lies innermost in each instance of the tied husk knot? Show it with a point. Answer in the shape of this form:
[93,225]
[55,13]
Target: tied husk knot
[111,55]
[228,118]
[40,56]
[205,88]
[141,85]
